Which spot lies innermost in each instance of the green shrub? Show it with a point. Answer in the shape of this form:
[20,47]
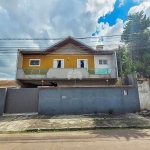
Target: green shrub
[110,111]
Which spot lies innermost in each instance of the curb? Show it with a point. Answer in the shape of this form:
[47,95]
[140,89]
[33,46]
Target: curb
[39,130]
[87,128]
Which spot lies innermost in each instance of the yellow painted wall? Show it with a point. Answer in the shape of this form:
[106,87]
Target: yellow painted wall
[47,60]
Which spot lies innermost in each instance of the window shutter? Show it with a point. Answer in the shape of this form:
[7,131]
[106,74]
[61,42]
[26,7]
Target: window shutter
[55,63]
[62,63]
[78,64]
[85,63]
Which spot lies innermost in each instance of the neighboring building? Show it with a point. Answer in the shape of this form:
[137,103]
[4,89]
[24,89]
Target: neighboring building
[8,84]
[61,63]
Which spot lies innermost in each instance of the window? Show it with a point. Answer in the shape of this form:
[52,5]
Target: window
[34,62]
[103,62]
[82,63]
[58,63]
[100,62]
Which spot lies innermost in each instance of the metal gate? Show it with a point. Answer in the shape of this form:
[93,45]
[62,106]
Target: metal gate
[22,100]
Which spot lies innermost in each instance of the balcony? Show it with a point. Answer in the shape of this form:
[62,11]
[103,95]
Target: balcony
[62,73]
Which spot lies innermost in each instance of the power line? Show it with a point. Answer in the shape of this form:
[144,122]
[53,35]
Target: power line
[65,38]
[56,47]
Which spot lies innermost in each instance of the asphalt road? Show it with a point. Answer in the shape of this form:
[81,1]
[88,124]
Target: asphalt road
[87,140]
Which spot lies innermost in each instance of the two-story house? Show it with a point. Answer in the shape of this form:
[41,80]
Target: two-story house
[67,63]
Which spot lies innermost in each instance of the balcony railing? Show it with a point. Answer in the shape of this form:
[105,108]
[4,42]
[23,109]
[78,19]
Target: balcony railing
[62,73]
[43,71]
[36,71]
[100,71]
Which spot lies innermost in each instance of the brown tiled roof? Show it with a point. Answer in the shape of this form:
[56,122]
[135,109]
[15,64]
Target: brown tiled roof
[64,42]
[8,83]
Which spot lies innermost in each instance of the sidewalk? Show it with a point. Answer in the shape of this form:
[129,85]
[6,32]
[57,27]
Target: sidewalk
[34,122]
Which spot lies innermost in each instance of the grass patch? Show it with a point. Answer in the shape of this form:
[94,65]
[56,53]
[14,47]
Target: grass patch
[11,132]
[56,131]
[78,129]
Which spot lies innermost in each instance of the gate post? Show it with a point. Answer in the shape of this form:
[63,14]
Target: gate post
[2,100]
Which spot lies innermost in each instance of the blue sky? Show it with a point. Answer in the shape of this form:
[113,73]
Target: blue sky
[120,12]
[59,19]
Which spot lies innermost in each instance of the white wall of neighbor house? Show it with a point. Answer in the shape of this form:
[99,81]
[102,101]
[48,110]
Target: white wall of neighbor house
[114,65]
[144,94]
[20,60]
[114,60]
[109,58]
[111,64]
[19,65]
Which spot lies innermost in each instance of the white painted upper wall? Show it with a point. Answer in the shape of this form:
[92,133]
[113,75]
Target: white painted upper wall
[20,60]
[110,61]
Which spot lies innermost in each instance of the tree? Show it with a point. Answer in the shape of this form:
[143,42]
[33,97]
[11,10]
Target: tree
[127,62]
[127,66]
[136,36]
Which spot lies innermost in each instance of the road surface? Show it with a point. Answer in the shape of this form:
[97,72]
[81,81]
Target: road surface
[81,140]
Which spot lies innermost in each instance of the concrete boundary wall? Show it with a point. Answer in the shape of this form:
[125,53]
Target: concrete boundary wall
[55,101]
[2,100]
[144,94]
[70,100]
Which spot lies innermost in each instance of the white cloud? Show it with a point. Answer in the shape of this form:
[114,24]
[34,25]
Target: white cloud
[145,6]
[100,8]
[121,3]
[107,30]
[8,65]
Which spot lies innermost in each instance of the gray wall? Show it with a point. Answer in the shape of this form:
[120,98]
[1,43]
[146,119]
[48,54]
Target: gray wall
[128,80]
[84,82]
[144,94]
[21,100]
[2,100]
[87,100]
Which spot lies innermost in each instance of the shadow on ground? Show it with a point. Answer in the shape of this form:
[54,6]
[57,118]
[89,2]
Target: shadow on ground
[121,134]
[34,122]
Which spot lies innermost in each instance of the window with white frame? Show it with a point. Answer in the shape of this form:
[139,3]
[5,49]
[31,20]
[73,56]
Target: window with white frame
[82,63]
[58,63]
[103,62]
[34,62]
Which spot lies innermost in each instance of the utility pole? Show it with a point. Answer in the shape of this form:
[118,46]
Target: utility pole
[120,65]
